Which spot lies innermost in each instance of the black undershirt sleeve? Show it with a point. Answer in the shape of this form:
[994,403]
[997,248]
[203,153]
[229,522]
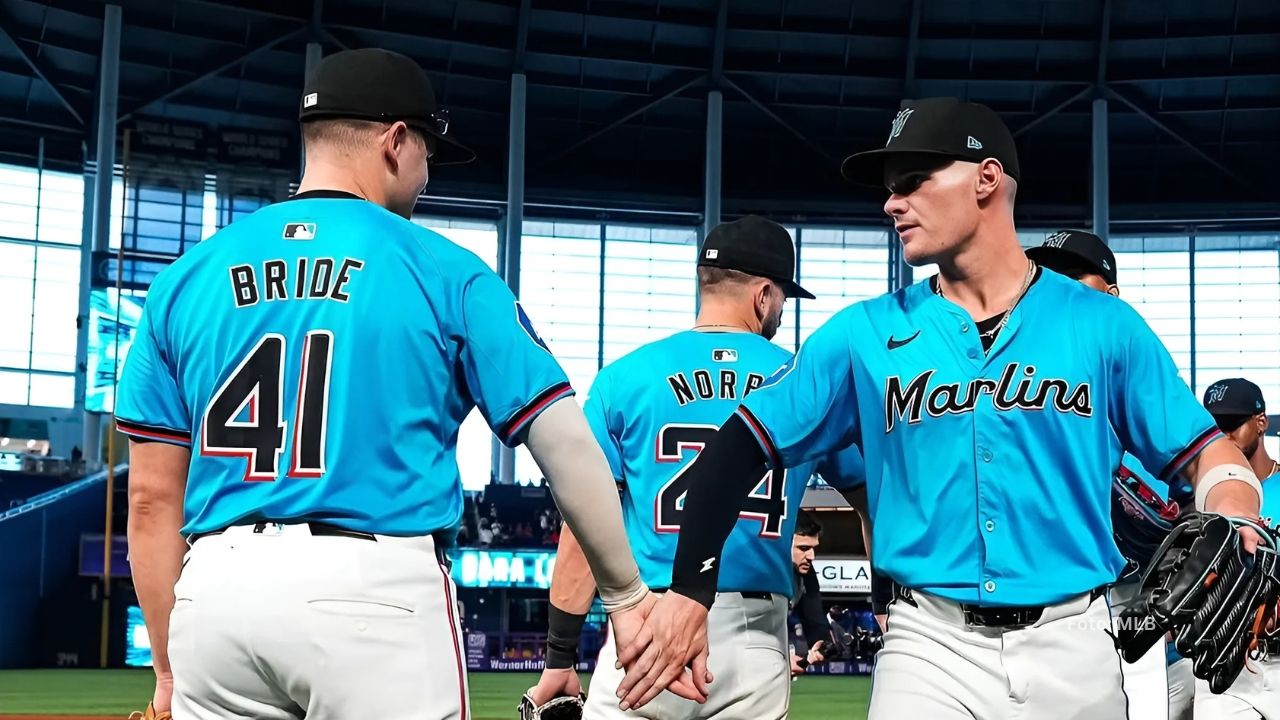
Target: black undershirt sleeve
[720,479]
[812,617]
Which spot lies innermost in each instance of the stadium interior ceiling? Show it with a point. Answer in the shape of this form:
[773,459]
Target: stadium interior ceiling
[617,99]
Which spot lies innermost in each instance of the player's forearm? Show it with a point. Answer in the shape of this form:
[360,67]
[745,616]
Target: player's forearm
[582,485]
[1227,497]
[157,479]
[572,589]
[720,479]
[572,586]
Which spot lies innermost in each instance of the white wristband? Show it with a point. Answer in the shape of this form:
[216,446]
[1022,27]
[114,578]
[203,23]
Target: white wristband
[1223,473]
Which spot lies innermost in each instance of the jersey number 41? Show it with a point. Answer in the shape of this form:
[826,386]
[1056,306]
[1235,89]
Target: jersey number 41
[257,384]
[767,504]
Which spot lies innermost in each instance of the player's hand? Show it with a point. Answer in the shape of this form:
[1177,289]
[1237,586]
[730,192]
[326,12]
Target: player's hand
[674,637]
[553,684]
[815,655]
[628,625]
[795,665]
[162,699]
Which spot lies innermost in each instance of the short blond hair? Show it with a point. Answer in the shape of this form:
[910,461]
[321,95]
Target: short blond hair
[716,280]
[346,133]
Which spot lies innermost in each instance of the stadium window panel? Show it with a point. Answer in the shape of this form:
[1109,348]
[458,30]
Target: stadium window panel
[19,198]
[14,387]
[480,238]
[42,215]
[61,208]
[840,267]
[650,285]
[560,268]
[1155,278]
[1237,306]
[50,390]
[56,306]
[475,440]
[17,290]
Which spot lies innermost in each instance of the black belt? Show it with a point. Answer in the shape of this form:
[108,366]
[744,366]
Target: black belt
[317,528]
[1013,616]
[747,595]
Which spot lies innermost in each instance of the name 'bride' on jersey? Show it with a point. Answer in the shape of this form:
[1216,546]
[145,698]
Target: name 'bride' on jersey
[1008,393]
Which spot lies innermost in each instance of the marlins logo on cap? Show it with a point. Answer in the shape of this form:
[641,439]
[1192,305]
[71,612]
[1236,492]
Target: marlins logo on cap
[898,123]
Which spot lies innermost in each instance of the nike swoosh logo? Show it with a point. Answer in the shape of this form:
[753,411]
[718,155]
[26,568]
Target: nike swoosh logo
[894,344]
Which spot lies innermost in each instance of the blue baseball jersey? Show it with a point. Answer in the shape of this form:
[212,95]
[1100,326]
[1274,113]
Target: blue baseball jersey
[652,410]
[1270,511]
[988,474]
[318,357]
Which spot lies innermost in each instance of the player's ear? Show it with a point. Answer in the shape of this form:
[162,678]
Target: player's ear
[394,138]
[989,179]
[1113,290]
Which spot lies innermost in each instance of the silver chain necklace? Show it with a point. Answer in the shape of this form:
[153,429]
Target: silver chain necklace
[1004,317]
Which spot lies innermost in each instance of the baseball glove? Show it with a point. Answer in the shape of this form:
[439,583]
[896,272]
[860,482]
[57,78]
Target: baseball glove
[562,708]
[150,714]
[1206,589]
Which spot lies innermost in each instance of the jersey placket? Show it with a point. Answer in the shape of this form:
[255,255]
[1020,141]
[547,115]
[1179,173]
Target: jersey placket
[966,343]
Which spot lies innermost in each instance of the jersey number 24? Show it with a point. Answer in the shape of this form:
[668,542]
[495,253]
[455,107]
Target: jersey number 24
[768,507]
[258,385]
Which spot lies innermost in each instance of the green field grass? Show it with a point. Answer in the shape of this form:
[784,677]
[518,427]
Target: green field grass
[114,693]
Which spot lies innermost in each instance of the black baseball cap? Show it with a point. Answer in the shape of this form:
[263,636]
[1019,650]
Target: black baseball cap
[944,127]
[382,86]
[755,246]
[1232,401]
[1067,249]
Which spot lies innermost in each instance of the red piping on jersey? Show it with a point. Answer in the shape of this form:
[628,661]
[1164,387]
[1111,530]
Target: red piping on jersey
[1195,448]
[762,437]
[152,433]
[539,403]
[450,608]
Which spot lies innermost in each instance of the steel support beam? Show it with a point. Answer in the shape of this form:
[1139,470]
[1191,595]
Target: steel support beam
[713,171]
[242,58]
[1077,97]
[913,49]
[36,67]
[522,35]
[1100,171]
[100,220]
[626,117]
[778,119]
[1154,120]
[513,227]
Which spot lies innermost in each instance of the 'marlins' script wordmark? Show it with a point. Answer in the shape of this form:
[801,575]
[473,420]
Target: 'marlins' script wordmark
[1008,393]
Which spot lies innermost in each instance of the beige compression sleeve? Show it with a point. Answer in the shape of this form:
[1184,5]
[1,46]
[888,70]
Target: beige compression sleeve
[566,451]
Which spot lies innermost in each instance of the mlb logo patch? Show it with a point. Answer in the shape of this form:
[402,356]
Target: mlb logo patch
[310,100]
[299,231]
[725,356]
[712,254]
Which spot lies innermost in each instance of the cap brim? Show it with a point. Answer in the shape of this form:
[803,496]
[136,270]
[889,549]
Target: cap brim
[448,150]
[793,290]
[867,168]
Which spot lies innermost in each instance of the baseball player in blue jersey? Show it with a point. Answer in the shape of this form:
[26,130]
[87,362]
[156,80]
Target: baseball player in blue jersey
[1241,412]
[1142,513]
[652,410]
[293,398]
[991,404]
